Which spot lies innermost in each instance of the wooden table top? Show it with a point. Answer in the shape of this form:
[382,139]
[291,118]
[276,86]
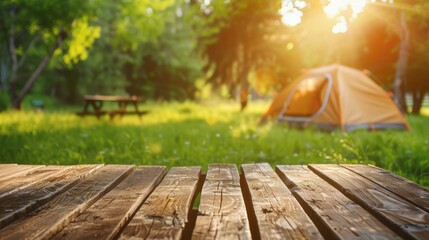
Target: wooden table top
[257,202]
[112,98]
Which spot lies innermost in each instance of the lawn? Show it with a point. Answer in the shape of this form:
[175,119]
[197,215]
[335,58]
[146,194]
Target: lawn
[176,134]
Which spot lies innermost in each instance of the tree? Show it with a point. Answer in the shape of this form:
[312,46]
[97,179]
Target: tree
[151,49]
[164,64]
[398,15]
[409,13]
[402,64]
[402,17]
[242,35]
[34,31]
[417,74]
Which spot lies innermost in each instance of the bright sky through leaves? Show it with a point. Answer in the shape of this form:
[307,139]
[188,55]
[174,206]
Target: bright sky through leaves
[336,7]
[291,11]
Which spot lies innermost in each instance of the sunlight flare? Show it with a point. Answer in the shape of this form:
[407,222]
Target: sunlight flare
[341,26]
[336,7]
[339,8]
[291,12]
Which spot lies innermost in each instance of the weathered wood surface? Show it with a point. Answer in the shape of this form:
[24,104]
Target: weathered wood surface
[113,98]
[11,170]
[108,216]
[164,214]
[414,193]
[27,178]
[48,220]
[405,218]
[222,213]
[340,217]
[278,213]
[149,202]
[27,199]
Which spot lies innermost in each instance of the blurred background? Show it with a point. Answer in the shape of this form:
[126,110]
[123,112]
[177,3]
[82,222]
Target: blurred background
[202,49]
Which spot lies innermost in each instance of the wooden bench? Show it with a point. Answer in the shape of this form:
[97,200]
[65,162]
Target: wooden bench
[152,202]
[94,106]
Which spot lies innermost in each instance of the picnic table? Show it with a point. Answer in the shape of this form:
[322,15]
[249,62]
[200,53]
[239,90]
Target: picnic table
[257,202]
[94,106]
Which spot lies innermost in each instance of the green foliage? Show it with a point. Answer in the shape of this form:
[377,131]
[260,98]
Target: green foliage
[161,48]
[42,22]
[140,21]
[35,31]
[239,39]
[177,134]
[4,101]
[84,36]
[145,48]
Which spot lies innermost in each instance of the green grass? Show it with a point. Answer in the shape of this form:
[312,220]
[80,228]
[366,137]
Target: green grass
[178,134]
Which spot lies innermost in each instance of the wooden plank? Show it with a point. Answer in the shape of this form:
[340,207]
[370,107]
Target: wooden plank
[278,213]
[222,212]
[406,219]
[411,191]
[332,211]
[26,179]
[7,165]
[8,171]
[113,98]
[164,214]
[46,221]
[27,199]
[107,216]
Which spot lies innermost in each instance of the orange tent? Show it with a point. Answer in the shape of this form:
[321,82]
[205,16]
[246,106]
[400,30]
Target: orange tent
[336,96]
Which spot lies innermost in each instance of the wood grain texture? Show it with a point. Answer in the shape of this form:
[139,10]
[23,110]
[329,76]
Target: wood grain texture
[107,216]
[46,221]
[337,215]
[278,213]
[415,193]
[27,178]
[27,199]
[222,212]
[406,219]
[11,170]
[165,212]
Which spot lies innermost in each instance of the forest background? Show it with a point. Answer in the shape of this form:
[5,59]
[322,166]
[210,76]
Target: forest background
[192,49]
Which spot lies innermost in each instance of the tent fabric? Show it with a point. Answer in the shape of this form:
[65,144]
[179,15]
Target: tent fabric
[333,97]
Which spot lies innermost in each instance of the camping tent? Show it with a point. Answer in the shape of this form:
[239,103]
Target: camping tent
[333,97]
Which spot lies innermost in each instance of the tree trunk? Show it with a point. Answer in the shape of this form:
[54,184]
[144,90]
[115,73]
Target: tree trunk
[16,101]
[16,98]
[401,67]
[71,92]
[232,90]
[418,97]
[14,61]
[243,78]
[4,61]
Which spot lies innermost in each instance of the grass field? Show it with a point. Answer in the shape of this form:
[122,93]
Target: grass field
[176,134]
